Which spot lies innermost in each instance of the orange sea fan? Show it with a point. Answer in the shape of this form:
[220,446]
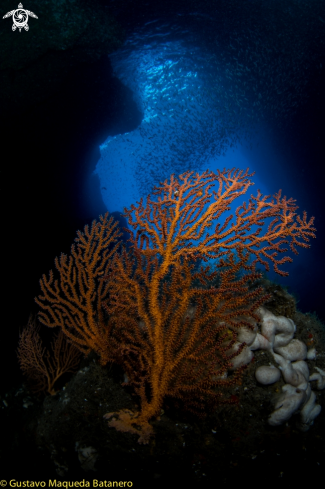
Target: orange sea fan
[152,287]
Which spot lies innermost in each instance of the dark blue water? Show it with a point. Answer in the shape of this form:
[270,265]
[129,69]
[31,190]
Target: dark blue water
[207,84]
[214,98]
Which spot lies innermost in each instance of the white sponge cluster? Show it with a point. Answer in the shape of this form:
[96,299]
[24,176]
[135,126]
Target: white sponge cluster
[290,354]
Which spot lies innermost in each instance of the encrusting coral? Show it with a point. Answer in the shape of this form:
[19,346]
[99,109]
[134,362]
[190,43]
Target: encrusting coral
[171,325]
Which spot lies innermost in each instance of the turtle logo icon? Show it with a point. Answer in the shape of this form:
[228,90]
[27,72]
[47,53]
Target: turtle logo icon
[20,18]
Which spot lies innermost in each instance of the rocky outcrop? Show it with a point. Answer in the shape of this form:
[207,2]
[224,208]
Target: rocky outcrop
[67,33]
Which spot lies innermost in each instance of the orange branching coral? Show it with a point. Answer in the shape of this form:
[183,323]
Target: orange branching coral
[74,302]
[172,336]
[41,367]
[176,224]
[181,347]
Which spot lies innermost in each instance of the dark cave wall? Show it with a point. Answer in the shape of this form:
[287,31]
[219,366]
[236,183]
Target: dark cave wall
[49,150]
[66,34]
